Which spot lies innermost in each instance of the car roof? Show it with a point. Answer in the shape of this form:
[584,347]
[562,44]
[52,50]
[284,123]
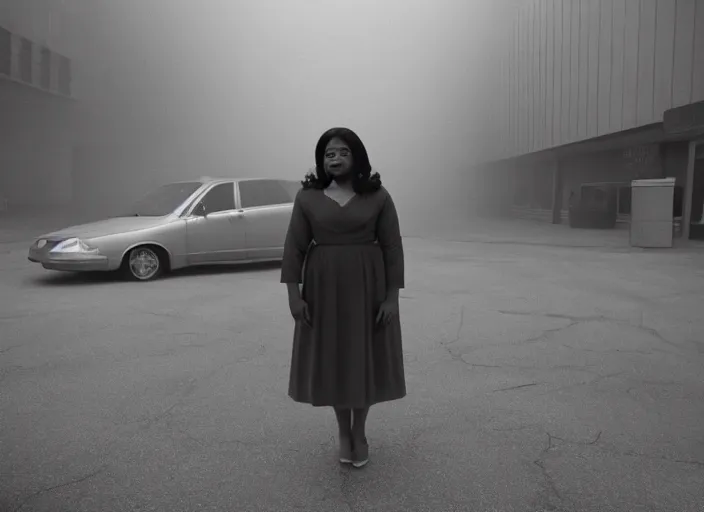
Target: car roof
[208,180]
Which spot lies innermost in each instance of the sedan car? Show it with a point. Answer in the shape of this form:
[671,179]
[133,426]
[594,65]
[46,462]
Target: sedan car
[205,222]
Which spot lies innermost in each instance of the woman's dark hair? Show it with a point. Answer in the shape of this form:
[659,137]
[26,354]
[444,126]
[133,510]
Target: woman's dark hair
[363,180]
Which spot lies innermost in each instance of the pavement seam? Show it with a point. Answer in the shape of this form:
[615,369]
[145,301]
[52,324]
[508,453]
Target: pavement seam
[59,486]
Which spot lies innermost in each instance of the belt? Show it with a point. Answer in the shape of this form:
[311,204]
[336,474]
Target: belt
[342,244]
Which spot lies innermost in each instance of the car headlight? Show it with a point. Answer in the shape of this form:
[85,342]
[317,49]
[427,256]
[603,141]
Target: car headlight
[74,245]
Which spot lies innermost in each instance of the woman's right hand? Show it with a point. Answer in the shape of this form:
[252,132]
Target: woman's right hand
[299,310]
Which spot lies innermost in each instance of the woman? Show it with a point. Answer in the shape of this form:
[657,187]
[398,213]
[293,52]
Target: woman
[347,351]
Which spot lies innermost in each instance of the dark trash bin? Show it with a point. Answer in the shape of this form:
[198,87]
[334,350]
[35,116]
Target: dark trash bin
[597,208]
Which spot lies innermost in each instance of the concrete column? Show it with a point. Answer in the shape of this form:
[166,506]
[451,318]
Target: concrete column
[36,65]
[15,45]
[556,192]
[688,190]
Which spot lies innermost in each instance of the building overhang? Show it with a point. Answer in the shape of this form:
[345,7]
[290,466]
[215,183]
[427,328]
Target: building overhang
[685,122]
[646,135]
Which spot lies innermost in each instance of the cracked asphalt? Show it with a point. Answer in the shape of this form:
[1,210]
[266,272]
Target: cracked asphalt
[540,378]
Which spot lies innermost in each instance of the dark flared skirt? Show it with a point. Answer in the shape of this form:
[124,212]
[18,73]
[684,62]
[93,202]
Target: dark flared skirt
[345,359]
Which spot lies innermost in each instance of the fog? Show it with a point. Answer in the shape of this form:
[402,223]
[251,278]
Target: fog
[174,89]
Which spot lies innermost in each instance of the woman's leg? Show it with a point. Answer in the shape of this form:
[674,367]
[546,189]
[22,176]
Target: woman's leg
[359,437]
[359,426]
[344,424]
[344,421]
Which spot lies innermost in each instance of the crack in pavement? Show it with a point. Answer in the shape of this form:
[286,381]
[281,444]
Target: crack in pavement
[208,444]
[595,443]
[572,321]
[631,453]
[59,486]
[598,379]
[190,386]
[612,451]
[580,368]
[521,386]
[625,351]
[576,320]
[17,316]
[516,429]
[546,333]
[455,339]
[558,316]
[147,422]
[486,241]
[159,314]
[583,443]
[6,371]
[551,491]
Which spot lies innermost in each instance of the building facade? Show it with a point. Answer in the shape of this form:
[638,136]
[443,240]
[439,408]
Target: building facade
[72,128]
[597,91]
[37,104]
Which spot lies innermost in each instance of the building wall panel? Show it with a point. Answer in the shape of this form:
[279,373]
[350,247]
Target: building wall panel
[683,52]
[535,74]
[604,72]
[618,42]
[586,68]
[593,36]
[543,82]
[646,62]
[557,71]
[583,84]
[574,72]
[664,56]
[549,70]
[698,57]
[630,65]
[523,78]
[564,112]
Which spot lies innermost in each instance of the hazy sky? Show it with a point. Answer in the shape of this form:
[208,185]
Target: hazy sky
[248,86]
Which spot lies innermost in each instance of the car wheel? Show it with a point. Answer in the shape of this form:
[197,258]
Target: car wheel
[143,264]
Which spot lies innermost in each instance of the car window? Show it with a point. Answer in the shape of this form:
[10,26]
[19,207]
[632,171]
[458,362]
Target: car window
[292,187]
[164,200]
[263,193]
[220,198]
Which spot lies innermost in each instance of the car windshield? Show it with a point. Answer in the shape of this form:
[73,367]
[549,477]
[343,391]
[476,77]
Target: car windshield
[164,200]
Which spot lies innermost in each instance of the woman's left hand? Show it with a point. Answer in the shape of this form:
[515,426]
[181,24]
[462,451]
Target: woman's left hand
[387,312]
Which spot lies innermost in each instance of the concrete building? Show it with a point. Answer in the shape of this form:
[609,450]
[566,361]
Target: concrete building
[597,91]
[78,112]
[134,116]
[36,105]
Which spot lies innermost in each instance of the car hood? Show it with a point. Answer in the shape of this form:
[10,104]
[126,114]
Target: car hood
[107,227]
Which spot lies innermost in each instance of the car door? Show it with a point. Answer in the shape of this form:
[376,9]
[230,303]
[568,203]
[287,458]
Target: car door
[266,207]
[213,234]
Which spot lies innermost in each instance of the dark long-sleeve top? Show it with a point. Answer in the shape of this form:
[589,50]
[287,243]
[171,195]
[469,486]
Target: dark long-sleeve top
[366,218]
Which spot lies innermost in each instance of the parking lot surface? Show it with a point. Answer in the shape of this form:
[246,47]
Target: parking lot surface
[539,378]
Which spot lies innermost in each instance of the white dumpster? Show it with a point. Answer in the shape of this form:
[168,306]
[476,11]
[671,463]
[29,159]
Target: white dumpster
[652,204]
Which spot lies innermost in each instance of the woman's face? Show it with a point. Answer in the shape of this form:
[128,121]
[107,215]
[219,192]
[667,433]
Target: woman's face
[337,159]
